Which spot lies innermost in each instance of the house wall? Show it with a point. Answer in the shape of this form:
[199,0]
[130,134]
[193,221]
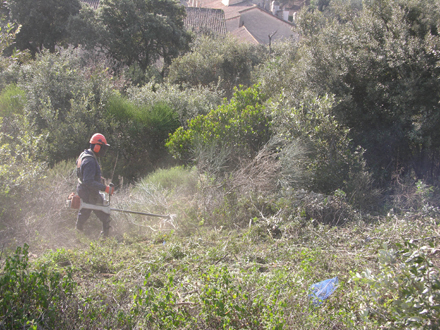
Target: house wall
[231,2]
[233,24]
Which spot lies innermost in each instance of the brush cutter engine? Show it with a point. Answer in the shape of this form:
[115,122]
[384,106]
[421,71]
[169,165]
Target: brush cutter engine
[73,201]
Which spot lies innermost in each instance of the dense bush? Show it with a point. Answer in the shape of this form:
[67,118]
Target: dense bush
[65,101]
[33,298]
[240,127]
[20,167]
[187,102]
[139,135]
[381,66]
[220,61]
[317,152]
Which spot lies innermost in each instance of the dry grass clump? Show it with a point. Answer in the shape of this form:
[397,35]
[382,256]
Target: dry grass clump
[164,192]
[333,210]
[42,215]
[259,175]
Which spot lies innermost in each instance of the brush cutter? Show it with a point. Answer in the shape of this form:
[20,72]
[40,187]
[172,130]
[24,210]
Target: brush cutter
[75,202]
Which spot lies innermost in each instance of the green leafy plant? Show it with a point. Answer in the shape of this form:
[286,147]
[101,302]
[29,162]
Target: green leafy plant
[405,293]
[158,308]
[221,62]
[12,100]
[32,296]
[142,131]
[227,304]
[241,126]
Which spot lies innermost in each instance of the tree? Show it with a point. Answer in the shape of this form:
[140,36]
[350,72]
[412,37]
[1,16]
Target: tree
[143,31]
[65,101]
[84,29]
[381,65]
[320,4]
[221,61]
[388,84]
[43,22]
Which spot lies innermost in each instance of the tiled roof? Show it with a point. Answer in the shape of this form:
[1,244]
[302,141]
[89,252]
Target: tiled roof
[230,11]
[247,21]
[93,3]
[244,35]
[258,22]
[262,24]
[205,19]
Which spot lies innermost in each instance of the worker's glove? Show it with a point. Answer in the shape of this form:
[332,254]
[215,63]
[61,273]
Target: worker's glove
[110,189]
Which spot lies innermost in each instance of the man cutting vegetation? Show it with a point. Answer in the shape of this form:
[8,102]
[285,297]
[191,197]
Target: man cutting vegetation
[89,186]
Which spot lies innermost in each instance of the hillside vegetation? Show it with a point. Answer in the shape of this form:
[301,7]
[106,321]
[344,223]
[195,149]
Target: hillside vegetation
[317,160]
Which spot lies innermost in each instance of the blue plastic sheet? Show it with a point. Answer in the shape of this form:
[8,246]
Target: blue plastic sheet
[322,290]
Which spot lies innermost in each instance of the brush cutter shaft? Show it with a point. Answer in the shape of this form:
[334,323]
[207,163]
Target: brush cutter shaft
[143,213]
[107,209]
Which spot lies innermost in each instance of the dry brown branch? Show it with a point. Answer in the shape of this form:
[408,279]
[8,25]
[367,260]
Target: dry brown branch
[259,174]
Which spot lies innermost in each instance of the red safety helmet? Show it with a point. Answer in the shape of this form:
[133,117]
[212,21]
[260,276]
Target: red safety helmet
[98,140]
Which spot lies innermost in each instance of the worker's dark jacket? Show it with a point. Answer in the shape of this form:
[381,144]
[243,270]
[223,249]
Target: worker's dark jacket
[89,177]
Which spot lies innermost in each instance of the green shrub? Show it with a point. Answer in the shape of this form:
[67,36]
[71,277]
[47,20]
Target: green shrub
[65,102]
[222,302]
[12,100]
[405,293]
[20,167]
[217,61]
[187,102]
[31,297]
[141,132]
[157,307]
[240,126]
[318,154]
[226,304]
